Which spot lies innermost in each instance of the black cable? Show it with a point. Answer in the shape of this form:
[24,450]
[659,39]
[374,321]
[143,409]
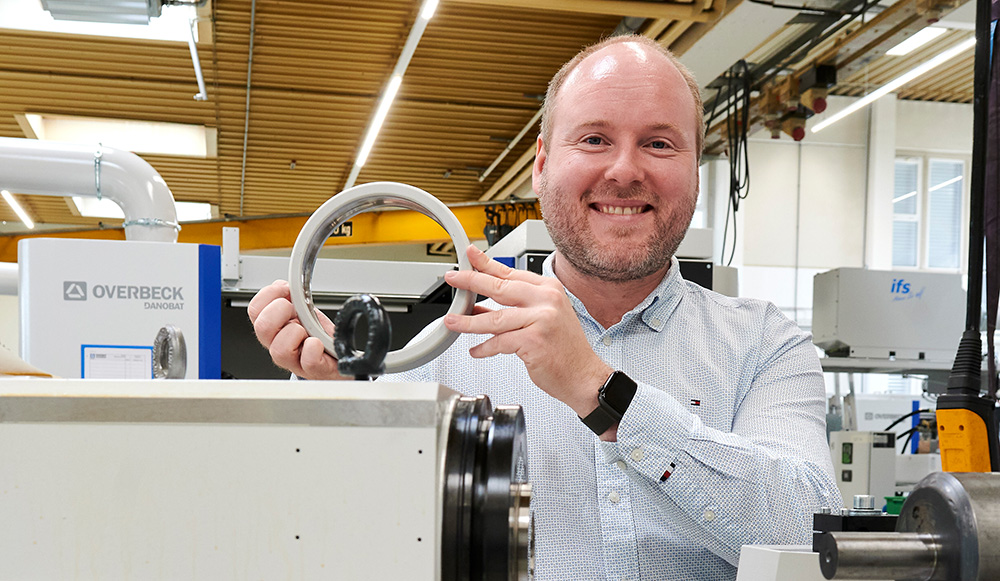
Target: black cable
[906,444]
[901,418]
[737,109]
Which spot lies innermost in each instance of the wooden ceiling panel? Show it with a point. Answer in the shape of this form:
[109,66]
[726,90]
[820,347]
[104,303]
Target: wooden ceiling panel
[318,69]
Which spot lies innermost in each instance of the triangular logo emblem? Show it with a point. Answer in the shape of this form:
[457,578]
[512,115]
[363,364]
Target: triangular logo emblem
[74,290]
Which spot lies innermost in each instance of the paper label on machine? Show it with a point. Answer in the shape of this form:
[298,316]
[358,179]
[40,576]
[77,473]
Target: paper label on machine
[81,296]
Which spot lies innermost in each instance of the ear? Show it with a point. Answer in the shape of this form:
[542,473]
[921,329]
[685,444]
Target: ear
[536,170]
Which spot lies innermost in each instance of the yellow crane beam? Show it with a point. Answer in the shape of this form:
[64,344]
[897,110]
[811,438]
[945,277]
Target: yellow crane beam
[383,227]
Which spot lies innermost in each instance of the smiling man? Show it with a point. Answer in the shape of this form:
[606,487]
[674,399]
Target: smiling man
[702,416]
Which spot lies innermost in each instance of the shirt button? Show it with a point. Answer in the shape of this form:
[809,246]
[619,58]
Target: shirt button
[621,464]
[709,515]
[614,497]
[636,454]
[606,341]
[654,322]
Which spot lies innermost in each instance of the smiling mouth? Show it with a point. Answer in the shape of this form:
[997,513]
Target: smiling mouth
[621,210]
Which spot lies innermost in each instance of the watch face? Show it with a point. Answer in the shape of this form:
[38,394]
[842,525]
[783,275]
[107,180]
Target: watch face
[619,391]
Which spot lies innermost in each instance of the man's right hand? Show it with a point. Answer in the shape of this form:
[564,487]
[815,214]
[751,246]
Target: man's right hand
[278,329]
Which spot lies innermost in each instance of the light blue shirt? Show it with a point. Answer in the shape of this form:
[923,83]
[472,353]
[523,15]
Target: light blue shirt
[723,445]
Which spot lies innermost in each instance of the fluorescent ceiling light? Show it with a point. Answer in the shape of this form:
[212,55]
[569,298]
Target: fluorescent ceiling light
[379,119]
[412,40]
[916,41]
[427,10]
[105,208]
[150,137]
[17,209]
[896,83]
[29,15]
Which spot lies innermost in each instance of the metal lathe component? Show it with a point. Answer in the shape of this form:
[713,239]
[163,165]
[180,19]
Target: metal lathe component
[291,479]
[169,354]
[948,529]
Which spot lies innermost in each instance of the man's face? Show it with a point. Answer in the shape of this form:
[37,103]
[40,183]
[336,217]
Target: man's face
[618,181]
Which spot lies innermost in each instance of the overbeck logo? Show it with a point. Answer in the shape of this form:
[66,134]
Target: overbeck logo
[74,290]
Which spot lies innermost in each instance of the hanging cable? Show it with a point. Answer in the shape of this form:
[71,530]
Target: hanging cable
[737,111]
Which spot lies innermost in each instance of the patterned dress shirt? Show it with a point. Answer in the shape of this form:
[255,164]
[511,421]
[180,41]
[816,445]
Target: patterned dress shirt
[723,445]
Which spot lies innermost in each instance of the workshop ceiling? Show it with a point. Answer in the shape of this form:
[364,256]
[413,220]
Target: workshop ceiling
[318,67]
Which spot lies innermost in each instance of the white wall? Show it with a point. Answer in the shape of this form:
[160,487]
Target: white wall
[826,202]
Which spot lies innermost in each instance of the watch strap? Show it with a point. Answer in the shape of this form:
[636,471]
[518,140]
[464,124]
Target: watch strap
[618,389]
[599,420]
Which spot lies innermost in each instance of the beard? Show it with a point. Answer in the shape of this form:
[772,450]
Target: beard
[615,258]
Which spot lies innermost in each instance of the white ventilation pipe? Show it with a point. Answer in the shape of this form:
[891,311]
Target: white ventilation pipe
[28,166]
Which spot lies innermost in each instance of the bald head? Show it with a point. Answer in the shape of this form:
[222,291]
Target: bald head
[621,55]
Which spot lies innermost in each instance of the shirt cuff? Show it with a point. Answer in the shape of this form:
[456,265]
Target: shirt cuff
[652,434]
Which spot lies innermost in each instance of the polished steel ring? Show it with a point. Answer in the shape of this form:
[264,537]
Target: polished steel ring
[342,207]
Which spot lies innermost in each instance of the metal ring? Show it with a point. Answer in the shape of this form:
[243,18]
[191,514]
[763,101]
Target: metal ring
[342,207]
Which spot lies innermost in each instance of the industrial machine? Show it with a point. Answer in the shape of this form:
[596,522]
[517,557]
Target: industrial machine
[267,479]
[888,315]
[94,308]
[947,529]
[864,463]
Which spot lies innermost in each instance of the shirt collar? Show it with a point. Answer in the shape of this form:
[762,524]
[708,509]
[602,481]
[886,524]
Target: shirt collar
[654,310]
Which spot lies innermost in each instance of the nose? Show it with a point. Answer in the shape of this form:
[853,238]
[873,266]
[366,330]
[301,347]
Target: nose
[625,166]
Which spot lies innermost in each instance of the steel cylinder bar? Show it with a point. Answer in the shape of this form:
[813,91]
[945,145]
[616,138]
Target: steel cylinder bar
[850,555]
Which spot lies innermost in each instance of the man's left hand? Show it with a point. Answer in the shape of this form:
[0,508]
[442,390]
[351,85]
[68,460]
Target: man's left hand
[542,329]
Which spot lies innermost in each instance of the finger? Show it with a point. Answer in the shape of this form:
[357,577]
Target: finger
[506,343]
[286,348]
[272,319]
[276,290]
[507,291]
[325,322]
[491,322]
[485,264]
[316,362]
[504,291]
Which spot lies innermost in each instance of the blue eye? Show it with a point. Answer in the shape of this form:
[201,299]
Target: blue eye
[594,140]
[659,145]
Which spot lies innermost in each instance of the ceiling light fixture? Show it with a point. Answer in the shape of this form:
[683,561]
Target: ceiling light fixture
[922,37]
[137,136]
[896,83]
[17,209]
[427,10]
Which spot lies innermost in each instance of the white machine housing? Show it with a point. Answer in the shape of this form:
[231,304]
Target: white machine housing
[93,308]
[220,480]
[888,314]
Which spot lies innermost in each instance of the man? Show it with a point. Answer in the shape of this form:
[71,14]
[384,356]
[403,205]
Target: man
[721,441]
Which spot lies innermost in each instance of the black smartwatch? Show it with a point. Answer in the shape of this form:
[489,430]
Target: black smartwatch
[614,398]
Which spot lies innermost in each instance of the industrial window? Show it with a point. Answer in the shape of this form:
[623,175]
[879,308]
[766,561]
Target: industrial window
[928,222]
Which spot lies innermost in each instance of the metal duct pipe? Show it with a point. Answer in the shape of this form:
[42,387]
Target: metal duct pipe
[28,166]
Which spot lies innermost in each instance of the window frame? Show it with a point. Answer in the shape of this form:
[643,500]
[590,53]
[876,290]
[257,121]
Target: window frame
[923,159]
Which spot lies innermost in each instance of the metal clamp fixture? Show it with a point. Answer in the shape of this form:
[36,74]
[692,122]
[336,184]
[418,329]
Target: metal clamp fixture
[97,170]
[151,222]
[342,207]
